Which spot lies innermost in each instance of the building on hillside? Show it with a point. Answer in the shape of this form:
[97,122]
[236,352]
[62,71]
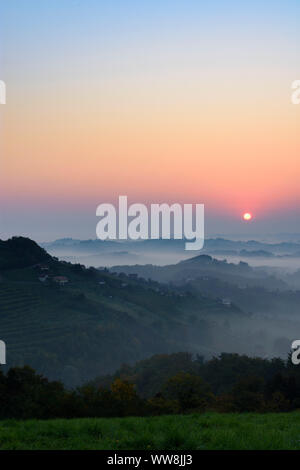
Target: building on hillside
[226,302]
[61,280]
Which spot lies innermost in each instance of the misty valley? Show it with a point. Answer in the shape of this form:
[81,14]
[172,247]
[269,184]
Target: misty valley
[74,322]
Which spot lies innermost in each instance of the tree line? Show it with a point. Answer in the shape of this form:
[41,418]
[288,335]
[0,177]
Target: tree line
[164,384]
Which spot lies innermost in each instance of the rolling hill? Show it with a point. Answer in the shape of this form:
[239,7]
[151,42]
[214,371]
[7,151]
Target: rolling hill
[204,266]
[73,323]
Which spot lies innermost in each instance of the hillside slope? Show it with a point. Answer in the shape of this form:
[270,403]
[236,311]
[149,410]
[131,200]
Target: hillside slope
[74,323]
[241,274]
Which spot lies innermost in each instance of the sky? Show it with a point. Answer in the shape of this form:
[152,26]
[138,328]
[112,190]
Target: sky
[162,101]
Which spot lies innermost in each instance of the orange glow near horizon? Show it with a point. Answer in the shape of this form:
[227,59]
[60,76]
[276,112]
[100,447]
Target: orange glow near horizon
[224,159]
[165,129]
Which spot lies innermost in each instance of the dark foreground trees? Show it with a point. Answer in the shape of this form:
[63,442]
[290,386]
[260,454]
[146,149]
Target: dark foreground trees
[229,383]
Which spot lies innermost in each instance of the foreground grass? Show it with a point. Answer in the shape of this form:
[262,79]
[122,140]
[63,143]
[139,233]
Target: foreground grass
[207,431]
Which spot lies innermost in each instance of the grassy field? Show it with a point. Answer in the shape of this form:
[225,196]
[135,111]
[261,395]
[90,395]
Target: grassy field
[208,431]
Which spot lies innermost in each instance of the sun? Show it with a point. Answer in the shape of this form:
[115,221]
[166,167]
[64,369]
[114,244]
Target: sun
[247,216]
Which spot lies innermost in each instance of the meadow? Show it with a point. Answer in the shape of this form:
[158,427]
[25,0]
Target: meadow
[208,431]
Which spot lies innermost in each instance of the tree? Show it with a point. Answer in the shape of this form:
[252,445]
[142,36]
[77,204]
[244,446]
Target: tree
[191,392]
[248,395]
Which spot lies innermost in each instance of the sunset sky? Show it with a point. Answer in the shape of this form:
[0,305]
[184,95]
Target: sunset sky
[162,101]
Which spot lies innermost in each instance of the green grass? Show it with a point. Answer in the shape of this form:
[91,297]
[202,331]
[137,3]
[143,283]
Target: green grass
[191,432]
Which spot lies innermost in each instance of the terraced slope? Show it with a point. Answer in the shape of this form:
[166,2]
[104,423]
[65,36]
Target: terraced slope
[92,323]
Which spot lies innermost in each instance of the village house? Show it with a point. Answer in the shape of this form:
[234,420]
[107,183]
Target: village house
[61,280]
[226,302]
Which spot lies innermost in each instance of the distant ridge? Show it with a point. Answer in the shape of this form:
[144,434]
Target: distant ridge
[211,246]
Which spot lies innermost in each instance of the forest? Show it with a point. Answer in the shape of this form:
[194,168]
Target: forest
[162,385]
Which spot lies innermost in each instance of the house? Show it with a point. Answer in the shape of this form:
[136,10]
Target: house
[43,277]
[226,302]
[102,283]
[61,280]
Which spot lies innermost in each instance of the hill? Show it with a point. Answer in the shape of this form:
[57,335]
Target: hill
[73,323]
[204,266]
[20,252]
[162,252]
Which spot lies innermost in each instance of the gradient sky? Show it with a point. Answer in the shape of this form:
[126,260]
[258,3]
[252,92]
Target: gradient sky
[164,101]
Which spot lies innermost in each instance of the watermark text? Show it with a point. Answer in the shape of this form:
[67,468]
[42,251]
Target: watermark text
[2,92]
[164,221]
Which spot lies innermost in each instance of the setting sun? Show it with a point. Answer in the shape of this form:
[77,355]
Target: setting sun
[247,216]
